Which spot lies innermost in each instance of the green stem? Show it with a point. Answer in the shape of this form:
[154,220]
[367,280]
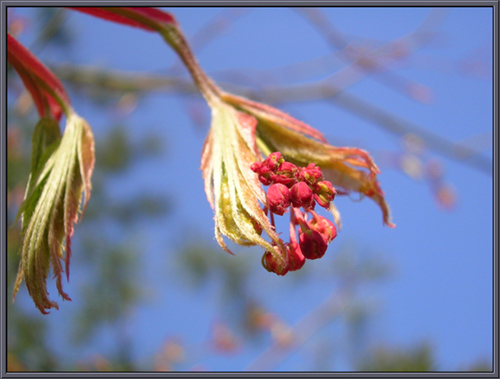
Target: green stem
[263,147]
[66,108]
[174,37]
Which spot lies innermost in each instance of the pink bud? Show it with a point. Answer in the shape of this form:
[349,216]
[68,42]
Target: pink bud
[324,193]
[289,167]
[265,175]
[302,195]
[273,161]
[263,172]
[312,244]
[271,264]
[324,227]
[255,167]
[295,256]
[286,174]
[282,179]
[278,198]
[311,174]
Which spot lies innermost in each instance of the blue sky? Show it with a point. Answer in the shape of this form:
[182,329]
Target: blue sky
[441,289]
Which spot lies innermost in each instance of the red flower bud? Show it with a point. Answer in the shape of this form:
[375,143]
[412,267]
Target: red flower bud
[324,227]
[324,193]
[312,244]
[256,167]
[286,174]
[311,174]
[302,195]
[281,179]
[271,264]
[273,161]
[263,171]
[278,198]
[265,175]
[295,256]
[289,167]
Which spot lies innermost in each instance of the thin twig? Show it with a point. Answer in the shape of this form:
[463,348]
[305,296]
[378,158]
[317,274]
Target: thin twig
[377,61]
[126,81]
[215,27]
[334,306]
[387,121]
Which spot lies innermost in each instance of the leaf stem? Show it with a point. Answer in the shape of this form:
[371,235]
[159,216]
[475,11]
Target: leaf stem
[66,108]
[174,37]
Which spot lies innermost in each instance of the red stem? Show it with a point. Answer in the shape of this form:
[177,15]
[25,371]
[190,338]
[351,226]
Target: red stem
[152,19]
[38,79]
[30,84]
[152,15]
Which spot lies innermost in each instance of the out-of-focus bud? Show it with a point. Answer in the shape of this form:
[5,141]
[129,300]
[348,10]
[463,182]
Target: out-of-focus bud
[257,318]
[223,338]
[255,167]
[282,334]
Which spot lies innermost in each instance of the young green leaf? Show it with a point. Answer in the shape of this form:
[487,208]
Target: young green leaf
[61,171]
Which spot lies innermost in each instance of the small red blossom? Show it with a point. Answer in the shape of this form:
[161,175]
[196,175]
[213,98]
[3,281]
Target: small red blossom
[298,187]
[324,227]
[289,168]
[265,176]
[311,174]
[297,259]
[324,193]
[255,167]
[283,179]
[273,161]
[312,244]
[286,174]
[264,172]
[302,196]
[278,198]
[272,264]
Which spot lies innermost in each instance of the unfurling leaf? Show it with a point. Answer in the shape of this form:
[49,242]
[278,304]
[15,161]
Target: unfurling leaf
[241,132]
[349,169]
[232,189]
[60,173]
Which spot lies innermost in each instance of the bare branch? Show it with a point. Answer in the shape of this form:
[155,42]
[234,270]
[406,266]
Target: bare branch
[127,81]
[363,61]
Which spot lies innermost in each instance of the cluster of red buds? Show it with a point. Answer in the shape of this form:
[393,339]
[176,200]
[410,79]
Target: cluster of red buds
[295,187]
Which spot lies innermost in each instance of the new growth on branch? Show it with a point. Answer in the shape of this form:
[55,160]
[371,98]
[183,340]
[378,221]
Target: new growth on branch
[249,145]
